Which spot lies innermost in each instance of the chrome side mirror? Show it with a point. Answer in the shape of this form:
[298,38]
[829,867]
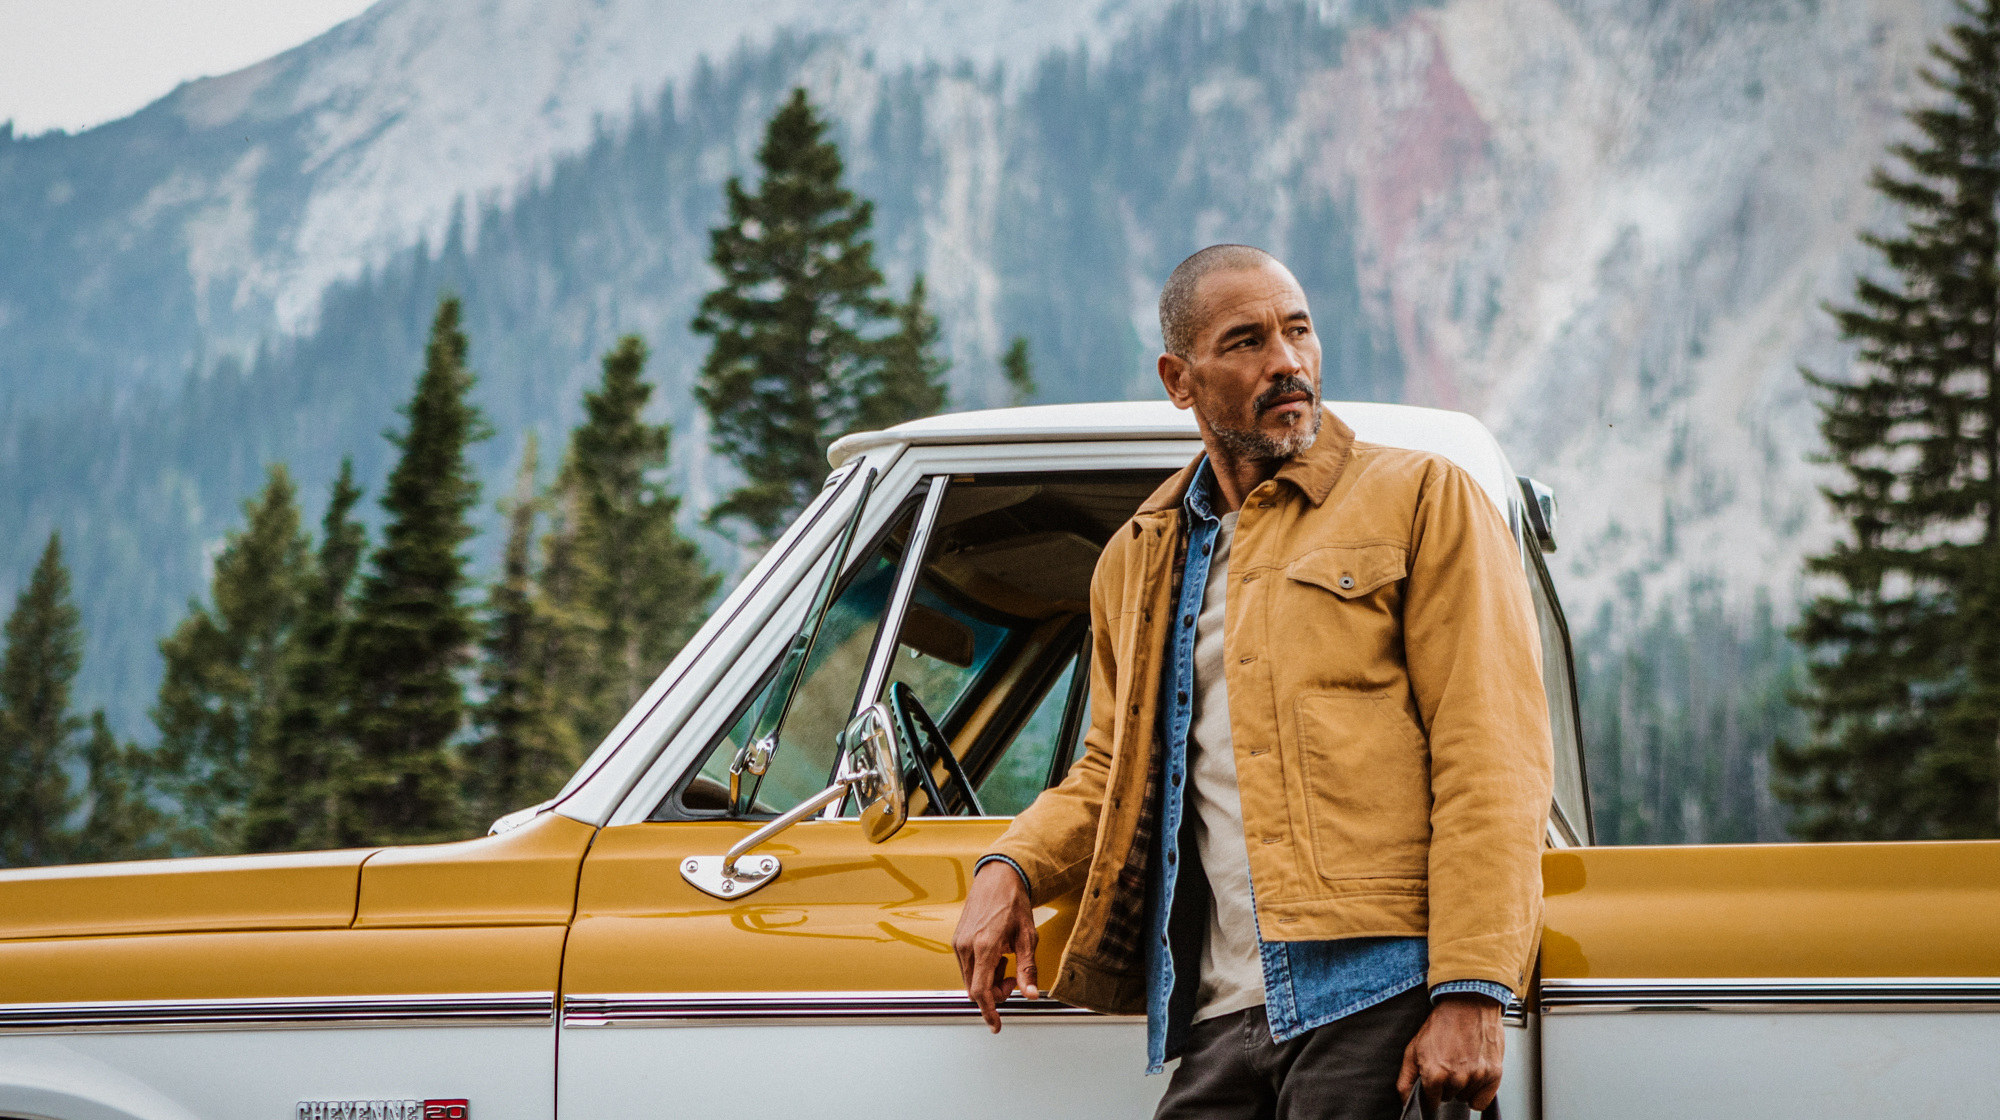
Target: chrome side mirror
[1539,503]
[871,768]
[885,804]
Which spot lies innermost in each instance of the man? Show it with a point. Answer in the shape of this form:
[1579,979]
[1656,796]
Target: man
[1307,824]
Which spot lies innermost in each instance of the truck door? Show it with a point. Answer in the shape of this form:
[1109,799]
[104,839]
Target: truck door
[832,988]
[1776,980]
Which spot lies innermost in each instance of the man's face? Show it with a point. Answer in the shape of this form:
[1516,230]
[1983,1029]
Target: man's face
[1252,376]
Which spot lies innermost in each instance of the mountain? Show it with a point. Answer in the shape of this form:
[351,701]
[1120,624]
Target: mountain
[1604,226]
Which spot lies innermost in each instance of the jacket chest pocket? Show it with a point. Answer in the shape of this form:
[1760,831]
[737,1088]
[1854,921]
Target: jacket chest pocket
[1351,571]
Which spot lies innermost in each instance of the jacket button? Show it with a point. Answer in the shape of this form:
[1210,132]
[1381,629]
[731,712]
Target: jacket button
[1347,582]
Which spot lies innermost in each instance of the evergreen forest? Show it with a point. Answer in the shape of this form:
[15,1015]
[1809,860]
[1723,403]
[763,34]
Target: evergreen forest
[334,691]
[383,652]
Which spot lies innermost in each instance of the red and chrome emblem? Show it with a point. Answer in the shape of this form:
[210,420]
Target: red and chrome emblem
[459,1109]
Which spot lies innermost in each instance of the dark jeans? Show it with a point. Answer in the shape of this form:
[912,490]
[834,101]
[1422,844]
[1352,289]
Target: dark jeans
[1345,1070]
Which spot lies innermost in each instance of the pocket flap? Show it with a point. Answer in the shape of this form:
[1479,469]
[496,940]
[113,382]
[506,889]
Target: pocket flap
[1350,570]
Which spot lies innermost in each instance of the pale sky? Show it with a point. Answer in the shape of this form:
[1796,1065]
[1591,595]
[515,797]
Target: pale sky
[70,64]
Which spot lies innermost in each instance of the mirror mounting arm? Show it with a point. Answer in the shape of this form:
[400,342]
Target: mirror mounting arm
[871,767]
[785,820]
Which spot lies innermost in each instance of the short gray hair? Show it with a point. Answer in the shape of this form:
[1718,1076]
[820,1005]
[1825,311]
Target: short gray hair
[1180,318]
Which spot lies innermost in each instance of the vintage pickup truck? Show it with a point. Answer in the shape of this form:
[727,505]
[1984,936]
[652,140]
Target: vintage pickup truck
[742,904]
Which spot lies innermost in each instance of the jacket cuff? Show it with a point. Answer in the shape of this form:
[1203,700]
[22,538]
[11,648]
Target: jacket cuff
[997,858]
[1488,988]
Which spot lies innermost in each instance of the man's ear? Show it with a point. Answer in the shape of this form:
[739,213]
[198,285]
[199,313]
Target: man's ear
[1176,374]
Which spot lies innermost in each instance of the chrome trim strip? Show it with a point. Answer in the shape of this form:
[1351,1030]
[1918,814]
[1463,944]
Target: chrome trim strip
[227,1014]
[1824,994]
[882,658]
[667,1008]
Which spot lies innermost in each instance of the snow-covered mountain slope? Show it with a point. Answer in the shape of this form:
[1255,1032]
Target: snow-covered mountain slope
[419,103]
[1603,226]
[257,189]
[1615,247]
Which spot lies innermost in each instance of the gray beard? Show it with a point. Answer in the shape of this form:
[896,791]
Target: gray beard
[1256,444]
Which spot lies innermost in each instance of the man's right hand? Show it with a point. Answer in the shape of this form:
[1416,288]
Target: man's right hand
[996,921]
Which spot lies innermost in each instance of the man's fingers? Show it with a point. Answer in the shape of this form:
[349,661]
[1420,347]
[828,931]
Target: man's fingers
[1024,959]
[966,971]
[987,1011]
[1457,1086]
[1406,1078]
[972,967]
[991,992]
[982,963]
[1485,1090]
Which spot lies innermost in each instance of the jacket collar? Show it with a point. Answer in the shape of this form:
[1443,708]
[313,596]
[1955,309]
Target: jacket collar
[1314,472]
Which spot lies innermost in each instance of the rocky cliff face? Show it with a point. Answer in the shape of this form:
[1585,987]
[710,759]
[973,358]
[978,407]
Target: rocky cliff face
[1603,226]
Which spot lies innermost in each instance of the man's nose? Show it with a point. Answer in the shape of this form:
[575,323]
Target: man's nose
[1286,361]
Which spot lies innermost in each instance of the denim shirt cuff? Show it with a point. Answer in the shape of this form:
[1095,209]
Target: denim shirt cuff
[996,858]
[1488,988]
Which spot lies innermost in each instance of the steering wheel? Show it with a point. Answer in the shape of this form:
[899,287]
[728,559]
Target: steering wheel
[928,751]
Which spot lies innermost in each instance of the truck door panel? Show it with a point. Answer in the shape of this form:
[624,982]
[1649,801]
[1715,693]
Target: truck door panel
[1771,980]
[439,983]
[834,988]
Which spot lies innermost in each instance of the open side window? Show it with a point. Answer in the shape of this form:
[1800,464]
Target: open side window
[821,701]
[992,637]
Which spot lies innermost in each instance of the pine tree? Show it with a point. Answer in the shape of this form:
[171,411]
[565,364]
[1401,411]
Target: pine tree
[570,638]
[639,584]
[225,683]
[412,634]
[525,749]
[1019,371]
[793,360]
[120,821]
[909,383]
[37,729]
[1905,695]
[293,799]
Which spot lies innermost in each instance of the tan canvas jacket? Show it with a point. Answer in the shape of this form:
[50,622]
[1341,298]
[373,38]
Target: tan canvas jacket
[1385,698]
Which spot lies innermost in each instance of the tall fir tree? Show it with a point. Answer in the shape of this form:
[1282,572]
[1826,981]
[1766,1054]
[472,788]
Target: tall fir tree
[639,584]
[1905,694]
[294,798]
[569,634]
[224,684]
[38,732]
[525,748]
[1018,371]
[120,819]
[412,633]
[794,360]
[909,382]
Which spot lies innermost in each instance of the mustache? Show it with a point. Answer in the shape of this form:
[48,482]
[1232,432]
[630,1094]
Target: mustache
[1291,384]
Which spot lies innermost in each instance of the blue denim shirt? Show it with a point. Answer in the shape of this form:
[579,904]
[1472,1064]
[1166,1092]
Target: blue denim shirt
[1306,983]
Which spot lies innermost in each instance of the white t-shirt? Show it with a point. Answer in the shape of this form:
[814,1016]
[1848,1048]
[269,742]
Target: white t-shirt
[1232,969]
